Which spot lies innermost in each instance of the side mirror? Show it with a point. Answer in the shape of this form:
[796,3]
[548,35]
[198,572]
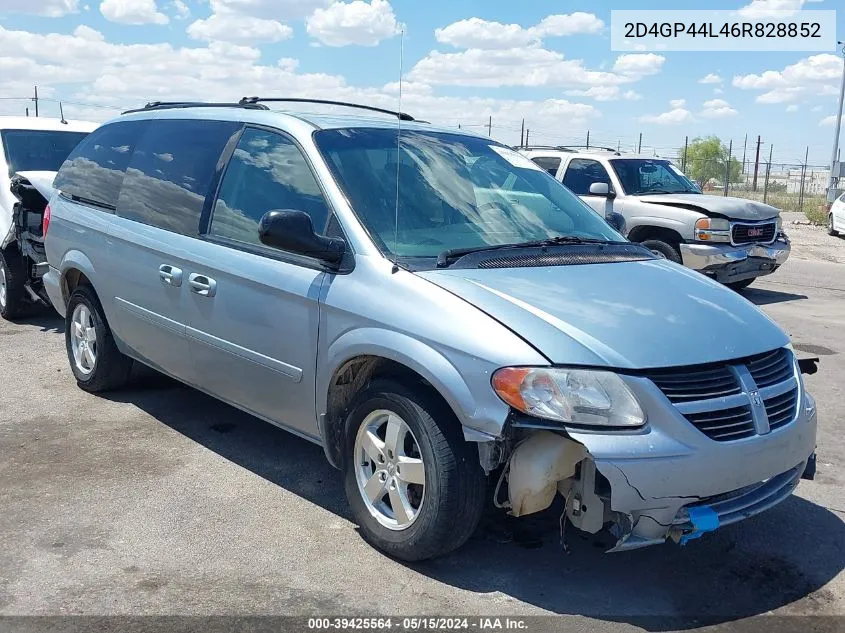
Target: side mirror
[616,220]
[293,231]
[601,189]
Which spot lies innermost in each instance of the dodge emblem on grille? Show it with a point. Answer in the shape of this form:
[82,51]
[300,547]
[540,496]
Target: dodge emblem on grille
[756,400]
[755,232]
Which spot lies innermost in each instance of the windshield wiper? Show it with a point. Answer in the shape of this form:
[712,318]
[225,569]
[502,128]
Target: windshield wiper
[449,256]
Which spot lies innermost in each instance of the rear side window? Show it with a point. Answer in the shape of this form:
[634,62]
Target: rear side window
[171,171]
[267,172]
[38,150]
[549,163]
[93,172]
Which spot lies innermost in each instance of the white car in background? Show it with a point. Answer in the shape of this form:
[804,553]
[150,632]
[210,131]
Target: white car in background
[31,151]
[836,217]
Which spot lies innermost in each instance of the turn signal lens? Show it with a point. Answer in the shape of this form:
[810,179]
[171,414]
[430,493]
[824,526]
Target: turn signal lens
[45,222]
[712,230]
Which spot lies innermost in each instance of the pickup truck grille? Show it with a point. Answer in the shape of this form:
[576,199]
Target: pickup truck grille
[751,233]
[734,400]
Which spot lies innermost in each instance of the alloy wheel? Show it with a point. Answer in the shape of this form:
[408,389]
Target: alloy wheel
[83,339]
[389,469]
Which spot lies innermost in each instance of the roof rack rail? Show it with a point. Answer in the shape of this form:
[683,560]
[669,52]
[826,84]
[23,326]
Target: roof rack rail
[169,105]
[560,148]
[571,148]
[402,116]
[594,147]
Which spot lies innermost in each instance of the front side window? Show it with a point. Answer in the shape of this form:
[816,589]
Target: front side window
[93,173]
[583,172]
[38,150]
[171,171]
[645,176]
[267,172]
[454,192]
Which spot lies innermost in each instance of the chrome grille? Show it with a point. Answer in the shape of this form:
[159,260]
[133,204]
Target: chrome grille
[725,425]
[781,409]
[689,385]
[770,369]
[750,233]
[737,399]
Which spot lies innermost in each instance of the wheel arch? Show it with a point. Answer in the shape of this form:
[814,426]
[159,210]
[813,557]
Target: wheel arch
[360,356]
[645,232]
[76,269]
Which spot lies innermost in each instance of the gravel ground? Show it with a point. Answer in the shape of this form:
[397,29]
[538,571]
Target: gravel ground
[812,242]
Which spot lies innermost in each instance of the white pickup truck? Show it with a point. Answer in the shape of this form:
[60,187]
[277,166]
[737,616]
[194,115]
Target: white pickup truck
[732,240]
[31,151]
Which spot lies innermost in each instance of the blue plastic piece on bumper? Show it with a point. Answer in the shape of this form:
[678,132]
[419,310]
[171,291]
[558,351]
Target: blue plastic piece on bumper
[704,519]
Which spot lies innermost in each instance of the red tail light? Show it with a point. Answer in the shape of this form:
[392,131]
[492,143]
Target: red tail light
[45,223]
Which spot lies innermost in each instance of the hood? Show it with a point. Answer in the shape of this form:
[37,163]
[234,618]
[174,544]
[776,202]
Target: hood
[626,315]
[41,180]
[731,208]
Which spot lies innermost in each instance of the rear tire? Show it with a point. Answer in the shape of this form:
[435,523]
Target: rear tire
[739,285]
[445,511]
[830,229]
[12,280]
[670,251]
[96,362]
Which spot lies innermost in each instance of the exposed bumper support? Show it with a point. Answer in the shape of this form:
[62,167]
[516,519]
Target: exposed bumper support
[728,263]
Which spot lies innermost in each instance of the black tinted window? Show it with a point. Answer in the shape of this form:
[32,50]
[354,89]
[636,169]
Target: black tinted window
[549,163]
[38,150]
[94,170]
[171,171]
[267,172]
[583,172]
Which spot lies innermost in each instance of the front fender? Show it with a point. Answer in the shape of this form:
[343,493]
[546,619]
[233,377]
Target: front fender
[473,400]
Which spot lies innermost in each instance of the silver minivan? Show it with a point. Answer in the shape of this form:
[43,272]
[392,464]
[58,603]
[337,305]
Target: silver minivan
[451,324]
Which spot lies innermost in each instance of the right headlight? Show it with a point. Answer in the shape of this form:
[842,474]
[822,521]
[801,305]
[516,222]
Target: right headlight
[712,230]
[572,396]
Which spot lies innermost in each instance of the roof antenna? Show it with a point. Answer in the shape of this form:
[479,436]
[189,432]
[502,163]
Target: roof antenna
[398,150]
[62,114]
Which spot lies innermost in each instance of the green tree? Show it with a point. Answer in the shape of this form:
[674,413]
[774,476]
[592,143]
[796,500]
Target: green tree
[706,160]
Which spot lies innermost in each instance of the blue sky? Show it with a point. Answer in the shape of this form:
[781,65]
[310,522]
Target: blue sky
[545,60]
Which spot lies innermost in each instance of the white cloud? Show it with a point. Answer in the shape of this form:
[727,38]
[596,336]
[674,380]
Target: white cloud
[47,8]
[605,93]
[770,8]
[132,12]
[718,91]
[817,108]
[239,29]
[638,64]
[717,109]
[792,108]
[182,9]
[675,116]
[710,78]
[828,121]
[269,9]
[357,22]
[478,33]
[814,75]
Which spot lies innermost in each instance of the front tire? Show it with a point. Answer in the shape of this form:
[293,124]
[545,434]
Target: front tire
[664,249]
[96,362]
[414,485]
[830,229]
[12,280]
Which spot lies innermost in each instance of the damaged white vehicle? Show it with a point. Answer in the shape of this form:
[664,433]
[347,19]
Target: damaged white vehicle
[31,151]
[432,308]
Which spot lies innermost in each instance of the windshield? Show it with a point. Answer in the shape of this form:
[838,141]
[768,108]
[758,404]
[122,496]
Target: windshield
[645,176]
[455,192]
[38,150]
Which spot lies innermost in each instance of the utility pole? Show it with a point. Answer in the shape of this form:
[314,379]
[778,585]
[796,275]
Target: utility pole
[526,137]
[588,139]
[27,112]
[36,100]
[640,144]
[728,166]
[522,134]
[837,124]
[803,176]
[618,145]
[684,157]
[756,164]
[768,171]
[490,126]
[744,145]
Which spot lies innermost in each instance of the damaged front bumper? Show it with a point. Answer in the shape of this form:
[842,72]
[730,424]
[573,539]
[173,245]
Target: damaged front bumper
[727,263]
[666,480]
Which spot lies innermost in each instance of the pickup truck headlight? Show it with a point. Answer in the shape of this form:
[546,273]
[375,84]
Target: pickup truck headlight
[712,230]
[573,396]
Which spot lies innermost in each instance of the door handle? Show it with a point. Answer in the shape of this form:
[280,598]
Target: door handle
[170,275]
[202,285]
